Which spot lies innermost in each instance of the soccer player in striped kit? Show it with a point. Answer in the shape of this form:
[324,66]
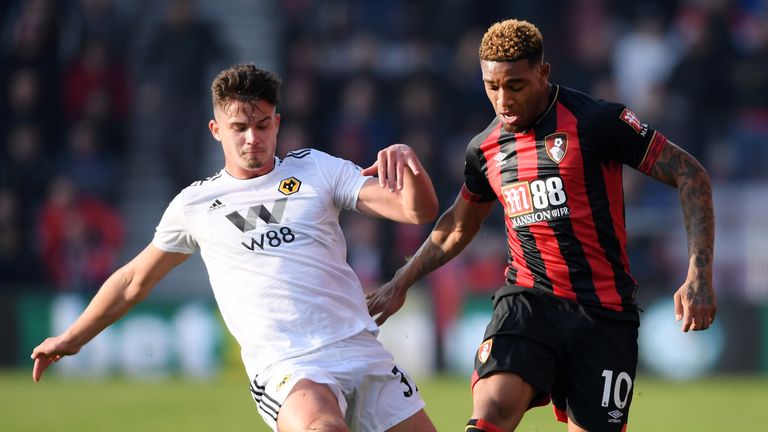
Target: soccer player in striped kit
[565,324]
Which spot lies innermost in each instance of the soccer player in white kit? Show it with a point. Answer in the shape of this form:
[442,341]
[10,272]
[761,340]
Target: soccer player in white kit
[268,232]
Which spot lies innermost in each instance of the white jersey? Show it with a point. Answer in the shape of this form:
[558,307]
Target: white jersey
[275,253]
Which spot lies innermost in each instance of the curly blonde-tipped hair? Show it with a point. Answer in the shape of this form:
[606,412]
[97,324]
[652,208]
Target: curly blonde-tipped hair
[512,40]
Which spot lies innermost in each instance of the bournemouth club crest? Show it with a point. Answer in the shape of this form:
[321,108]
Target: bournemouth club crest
[557,145]
[484,351]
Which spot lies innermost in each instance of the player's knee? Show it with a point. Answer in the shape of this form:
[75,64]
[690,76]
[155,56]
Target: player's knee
[501,399]
[318,423]
[326,423]
[481,425]
[497,415]
[494,409]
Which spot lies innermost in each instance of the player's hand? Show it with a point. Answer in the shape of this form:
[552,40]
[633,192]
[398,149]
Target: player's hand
[695,305]
[385,301]
[390,166]
[48,353]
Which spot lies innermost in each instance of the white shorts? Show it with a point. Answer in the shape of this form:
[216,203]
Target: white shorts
[373,393]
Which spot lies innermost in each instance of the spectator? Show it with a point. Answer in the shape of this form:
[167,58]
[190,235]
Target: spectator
[80,237]
[18,264]
[26,166]
[591,34]
[97,89]
[358,128]
[179,57]
[643,59]
[93,170]
[749,130]
[29,43]
[95,19]
[706,60]
[24,101]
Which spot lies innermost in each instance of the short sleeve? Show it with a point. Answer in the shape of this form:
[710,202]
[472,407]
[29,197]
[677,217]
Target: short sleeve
[476,187]
[344,178]
[172,233]
[626,138]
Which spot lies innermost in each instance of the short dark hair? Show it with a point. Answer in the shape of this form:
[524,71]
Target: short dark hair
[245,83]
[512,40]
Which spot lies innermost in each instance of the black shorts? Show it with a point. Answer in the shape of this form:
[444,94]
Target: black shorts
[583,358]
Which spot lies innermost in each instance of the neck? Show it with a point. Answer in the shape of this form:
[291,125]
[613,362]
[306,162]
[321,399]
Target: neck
[544,102]
[543,106]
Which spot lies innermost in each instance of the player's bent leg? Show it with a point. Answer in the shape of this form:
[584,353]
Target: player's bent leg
[311,406]
[501,399]
[418,422]
[573,427]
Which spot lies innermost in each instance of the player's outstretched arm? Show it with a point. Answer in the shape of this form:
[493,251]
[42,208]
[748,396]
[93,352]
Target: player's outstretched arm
[404,192]
[126,287]
[695,300]
[452,233]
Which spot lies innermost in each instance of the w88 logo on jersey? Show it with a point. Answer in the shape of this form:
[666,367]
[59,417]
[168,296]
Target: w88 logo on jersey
[525,197]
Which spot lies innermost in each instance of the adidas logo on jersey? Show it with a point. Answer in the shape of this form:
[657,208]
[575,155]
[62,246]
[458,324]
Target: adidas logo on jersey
[215,206]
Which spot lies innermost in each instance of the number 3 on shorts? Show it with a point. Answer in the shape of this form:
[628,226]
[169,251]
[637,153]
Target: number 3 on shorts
[409,391]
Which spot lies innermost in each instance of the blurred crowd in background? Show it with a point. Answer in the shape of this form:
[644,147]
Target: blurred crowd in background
[80,78]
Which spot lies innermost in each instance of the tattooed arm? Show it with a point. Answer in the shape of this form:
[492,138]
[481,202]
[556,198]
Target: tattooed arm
[695,300]
[452,233]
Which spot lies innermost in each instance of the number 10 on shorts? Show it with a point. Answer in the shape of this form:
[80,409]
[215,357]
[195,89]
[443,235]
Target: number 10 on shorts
[619,397]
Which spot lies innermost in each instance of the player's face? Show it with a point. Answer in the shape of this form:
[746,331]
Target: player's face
[517,90]
[248,135]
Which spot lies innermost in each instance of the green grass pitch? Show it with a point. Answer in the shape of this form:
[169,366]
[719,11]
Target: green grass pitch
[224,404]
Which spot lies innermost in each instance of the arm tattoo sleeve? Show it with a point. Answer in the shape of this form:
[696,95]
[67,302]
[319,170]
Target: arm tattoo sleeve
[448,239]
[428,258]
[678,168]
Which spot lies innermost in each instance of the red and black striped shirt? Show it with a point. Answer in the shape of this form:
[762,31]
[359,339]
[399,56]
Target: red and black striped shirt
[561,187]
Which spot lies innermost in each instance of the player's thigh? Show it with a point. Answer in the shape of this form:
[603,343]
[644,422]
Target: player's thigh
[272,388]
[520,346]
[502,398]
[310,405]
[388,398]
[601,368]
[418,422]
[573,427]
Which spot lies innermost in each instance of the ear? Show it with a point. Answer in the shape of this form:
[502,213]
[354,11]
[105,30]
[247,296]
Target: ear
[544,72]
[213,126]
[277,120]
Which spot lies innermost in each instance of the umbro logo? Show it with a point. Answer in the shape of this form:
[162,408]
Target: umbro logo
[215,206]
[499,158]
[615,414]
